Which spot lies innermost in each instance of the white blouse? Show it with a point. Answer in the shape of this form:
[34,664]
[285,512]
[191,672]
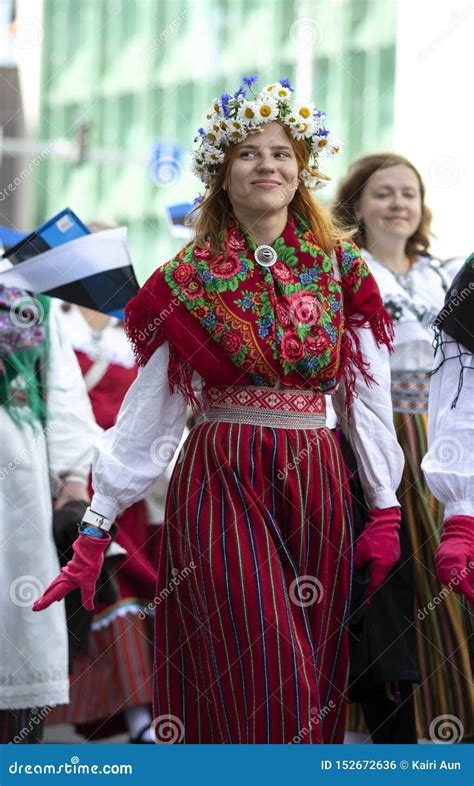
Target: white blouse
[134,453]
[413,309]
[449,463]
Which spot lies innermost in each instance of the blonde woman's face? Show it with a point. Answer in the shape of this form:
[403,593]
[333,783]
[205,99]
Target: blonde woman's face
[390,204]
[263,176]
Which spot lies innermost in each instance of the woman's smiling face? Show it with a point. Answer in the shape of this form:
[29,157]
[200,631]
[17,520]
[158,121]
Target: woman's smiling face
[263,176]
[390,204]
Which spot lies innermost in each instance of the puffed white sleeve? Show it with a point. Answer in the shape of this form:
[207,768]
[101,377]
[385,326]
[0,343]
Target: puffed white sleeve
[131,455]
[448,465]
[71,430]
[369,427]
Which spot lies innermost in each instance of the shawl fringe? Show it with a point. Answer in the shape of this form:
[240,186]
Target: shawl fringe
[180,375]
[143,331]
[381,325]
[142,328]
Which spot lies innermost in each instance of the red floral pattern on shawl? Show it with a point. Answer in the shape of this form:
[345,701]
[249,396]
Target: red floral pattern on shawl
[235,322]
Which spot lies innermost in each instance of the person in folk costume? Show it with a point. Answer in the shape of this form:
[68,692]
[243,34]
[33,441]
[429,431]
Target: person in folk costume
[384,196]
[268,308]
[450,458]
[48,432]
[111,676]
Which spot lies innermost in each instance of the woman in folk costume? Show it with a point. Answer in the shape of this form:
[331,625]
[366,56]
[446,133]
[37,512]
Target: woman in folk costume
[384,195]
[48,431]
[111,676]
[450,458]
[269,309]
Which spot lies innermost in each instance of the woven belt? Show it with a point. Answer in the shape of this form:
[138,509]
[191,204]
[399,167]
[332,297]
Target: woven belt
[410,392]
[260,406]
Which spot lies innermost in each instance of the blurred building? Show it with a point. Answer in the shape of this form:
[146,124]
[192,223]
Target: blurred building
[125,84]
[12,124]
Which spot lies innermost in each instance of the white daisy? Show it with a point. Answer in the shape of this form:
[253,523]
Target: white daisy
[213,156]
[318,144]
[248,113]
[312,180]
[303,130]
[267,109]
[283,94]
[304,112]
[273,89]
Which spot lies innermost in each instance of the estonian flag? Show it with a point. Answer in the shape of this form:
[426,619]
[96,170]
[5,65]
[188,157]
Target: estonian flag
[93,270]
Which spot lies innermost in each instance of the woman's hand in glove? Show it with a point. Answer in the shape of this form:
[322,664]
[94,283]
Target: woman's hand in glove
[455,555]
[378,544]
[81,571]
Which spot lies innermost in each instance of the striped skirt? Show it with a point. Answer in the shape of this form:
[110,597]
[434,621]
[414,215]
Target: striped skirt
[253,589]
[442,638]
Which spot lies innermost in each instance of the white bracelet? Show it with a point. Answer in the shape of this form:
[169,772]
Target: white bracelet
[90,517]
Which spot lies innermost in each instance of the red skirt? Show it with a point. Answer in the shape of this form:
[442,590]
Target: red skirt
[253,589]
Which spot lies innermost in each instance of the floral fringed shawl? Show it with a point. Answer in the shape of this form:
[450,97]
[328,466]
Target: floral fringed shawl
[236,322]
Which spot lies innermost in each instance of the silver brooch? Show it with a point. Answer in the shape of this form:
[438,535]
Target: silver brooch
[265,256]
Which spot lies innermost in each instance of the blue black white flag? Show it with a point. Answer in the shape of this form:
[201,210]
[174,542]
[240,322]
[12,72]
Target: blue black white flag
[64,260]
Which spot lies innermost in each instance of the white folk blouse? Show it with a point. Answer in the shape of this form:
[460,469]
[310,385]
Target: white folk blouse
[133,454]
[449,463]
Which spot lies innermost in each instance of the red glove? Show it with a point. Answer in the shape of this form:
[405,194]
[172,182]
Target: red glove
[455,555]
[81,571]
[378,544]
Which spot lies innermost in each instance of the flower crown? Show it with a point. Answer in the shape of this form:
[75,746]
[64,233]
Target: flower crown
[233,117]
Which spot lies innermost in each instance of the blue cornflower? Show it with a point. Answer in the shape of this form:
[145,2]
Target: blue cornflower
[201,131]
[249,80]
[286,83]
[323,132]
[197,200]
[225,98]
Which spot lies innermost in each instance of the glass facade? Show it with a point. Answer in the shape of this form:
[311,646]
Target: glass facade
[137,72]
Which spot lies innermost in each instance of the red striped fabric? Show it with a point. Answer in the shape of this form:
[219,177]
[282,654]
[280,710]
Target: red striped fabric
[115,673]
[253,589]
